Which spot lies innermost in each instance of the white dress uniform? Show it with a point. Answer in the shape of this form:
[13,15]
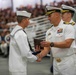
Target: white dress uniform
[75,37]
[64,62]
[66,8]
[19,52]
[74,25]
[74,28]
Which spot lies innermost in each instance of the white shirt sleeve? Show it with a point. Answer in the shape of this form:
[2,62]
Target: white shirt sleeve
[75,30]
[69,32]
[21,40]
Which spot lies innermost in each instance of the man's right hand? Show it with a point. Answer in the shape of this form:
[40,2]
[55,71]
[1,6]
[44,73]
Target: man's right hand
[39,57]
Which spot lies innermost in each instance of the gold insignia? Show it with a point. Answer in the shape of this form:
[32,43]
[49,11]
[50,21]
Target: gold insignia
[63,11]
[49,12]
[72,23]
[65,22]
[58,59]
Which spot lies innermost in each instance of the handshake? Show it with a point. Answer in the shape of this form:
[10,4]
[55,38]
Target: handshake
[39,57]
[38,49]
[37,53]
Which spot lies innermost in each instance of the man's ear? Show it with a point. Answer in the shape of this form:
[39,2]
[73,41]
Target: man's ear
[23,20]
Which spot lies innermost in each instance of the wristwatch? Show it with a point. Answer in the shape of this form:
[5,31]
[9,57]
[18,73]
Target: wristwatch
[52,44]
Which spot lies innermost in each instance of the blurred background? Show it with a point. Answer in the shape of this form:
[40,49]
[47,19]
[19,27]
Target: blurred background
[8,19]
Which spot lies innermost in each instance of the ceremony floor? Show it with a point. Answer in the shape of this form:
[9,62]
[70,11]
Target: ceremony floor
[36,68]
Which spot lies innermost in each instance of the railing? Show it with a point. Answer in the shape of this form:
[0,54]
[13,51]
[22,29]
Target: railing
[38,30]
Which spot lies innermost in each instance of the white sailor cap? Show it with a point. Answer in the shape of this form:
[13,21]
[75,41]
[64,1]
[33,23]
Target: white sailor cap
[66,8]
[24,13]
[51,9]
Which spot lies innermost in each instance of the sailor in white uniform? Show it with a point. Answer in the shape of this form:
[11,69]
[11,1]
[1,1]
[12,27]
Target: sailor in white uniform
[67,15]
[60,40]
[19,47]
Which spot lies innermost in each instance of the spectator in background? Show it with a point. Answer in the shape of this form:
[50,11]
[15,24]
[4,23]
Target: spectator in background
[4,45]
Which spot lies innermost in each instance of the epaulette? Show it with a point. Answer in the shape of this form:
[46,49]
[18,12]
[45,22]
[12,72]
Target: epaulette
[65,22]
[72,23]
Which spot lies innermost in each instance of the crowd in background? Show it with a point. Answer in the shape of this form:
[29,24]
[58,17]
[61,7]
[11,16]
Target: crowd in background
[8,18]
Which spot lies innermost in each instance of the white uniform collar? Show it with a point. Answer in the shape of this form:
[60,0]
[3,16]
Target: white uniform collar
[15,29]
[61,23]
[71,20]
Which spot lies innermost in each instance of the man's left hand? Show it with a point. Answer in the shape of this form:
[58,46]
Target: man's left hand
[45,44]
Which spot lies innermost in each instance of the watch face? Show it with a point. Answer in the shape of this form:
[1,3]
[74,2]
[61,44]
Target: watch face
[52,44]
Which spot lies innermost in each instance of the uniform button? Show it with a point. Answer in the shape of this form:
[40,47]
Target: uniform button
[58,59]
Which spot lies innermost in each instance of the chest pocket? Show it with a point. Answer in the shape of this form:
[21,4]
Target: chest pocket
[59,36]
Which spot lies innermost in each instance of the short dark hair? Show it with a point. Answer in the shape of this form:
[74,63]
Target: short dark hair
[20,18]
[72,14]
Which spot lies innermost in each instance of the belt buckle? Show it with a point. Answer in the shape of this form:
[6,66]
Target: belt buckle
[58,59]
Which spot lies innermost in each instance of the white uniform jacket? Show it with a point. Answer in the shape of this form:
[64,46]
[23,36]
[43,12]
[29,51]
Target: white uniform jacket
[75,38]
[19,51]
[74,28]
[58,34]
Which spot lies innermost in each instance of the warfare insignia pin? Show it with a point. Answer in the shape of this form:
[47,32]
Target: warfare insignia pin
[60,30]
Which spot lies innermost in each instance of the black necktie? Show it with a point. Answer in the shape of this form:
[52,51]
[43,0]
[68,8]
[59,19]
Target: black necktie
[28,42]
[34,53]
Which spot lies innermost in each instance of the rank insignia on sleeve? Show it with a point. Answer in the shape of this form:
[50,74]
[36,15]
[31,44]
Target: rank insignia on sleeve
[60,30]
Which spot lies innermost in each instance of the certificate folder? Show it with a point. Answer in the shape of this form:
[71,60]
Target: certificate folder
[37,42]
